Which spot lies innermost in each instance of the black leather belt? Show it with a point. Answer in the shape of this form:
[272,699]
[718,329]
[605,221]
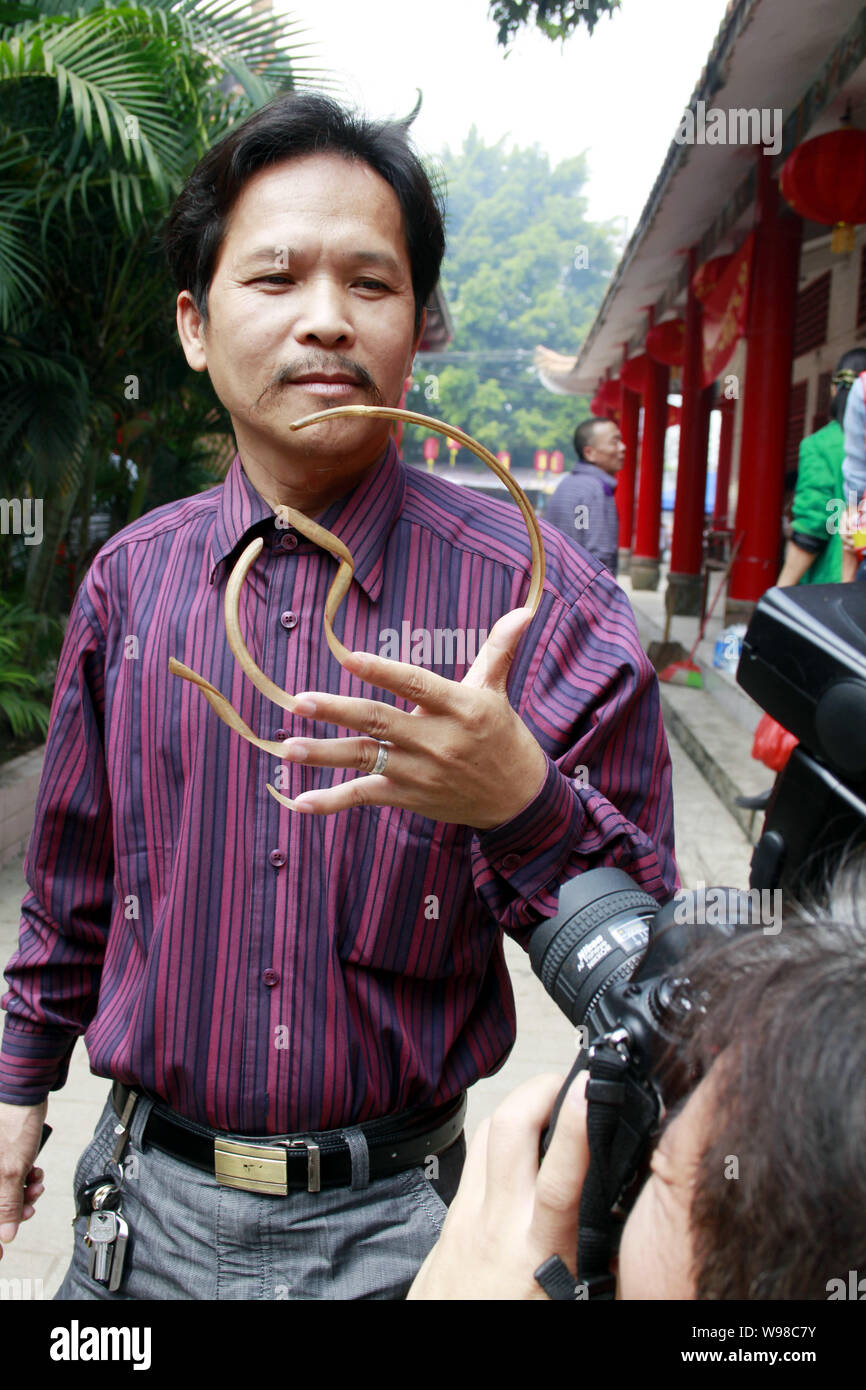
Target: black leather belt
[278,1164]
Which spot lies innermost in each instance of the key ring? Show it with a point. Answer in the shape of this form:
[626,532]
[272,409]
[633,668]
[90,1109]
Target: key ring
[343,578]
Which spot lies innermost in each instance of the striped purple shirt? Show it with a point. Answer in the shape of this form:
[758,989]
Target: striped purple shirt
[265,972]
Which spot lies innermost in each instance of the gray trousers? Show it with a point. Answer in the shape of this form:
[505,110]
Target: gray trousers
[192,1238]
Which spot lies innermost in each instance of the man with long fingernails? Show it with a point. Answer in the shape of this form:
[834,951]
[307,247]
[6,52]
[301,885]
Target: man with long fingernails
[291,1004]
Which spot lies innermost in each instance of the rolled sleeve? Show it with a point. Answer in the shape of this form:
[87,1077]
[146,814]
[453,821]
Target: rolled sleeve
[530,851]
[607,797]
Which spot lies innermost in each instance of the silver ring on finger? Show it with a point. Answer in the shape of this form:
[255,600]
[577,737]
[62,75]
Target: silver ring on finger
[381,759]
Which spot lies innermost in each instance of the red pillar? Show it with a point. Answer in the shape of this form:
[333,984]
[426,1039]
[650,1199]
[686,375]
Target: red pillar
[767,387]
[723,472]
[684,585]
[645,556]
[625,487]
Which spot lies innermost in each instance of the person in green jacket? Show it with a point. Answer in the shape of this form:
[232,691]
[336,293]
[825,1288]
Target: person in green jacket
[813,555]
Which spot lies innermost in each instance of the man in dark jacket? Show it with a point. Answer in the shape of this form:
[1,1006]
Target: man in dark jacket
[583,506]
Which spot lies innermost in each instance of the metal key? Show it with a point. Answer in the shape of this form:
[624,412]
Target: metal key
[101,1193]
[102,1230]
[118,1254]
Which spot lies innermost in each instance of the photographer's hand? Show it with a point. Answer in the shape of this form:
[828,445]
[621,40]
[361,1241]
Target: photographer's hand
[509,1214]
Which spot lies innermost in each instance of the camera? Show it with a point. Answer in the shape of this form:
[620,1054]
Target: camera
[616,961]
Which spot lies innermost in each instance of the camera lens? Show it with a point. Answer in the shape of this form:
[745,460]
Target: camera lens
[596,940]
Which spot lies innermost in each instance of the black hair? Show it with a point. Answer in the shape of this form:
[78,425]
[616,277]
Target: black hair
[852,361]
[288,127]
[584,433]
[785,1025]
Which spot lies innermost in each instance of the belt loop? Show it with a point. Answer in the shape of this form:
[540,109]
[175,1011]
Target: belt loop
[360,1155]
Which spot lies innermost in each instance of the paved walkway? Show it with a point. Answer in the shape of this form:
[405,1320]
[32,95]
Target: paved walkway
[711,847]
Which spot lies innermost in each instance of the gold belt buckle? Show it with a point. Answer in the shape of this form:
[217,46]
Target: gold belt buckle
[262,1167]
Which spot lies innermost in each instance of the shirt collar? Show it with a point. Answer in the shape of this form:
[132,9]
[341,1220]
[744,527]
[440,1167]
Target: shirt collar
[607,480]
[363,519]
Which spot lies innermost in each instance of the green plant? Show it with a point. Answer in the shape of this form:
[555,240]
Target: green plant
[25,691]
[104,109]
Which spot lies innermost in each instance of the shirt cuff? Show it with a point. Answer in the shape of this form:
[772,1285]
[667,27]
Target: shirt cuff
[33,1061]
[531,850]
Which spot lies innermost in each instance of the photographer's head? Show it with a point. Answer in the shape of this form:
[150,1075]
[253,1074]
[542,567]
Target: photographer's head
[758,1183]
[757,1188]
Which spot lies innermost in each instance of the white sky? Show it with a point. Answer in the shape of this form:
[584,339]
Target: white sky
[619,95]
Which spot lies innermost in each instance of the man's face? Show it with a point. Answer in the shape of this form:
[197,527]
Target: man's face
[656,1251]
[310,306]
[607,450]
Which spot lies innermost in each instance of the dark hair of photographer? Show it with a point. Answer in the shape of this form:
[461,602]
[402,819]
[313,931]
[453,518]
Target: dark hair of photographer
[787,1025]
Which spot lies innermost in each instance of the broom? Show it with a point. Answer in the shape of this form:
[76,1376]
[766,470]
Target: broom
[686,672]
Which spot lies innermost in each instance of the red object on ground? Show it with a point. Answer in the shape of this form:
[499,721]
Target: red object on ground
[666,342]
[824,179]
[773,744]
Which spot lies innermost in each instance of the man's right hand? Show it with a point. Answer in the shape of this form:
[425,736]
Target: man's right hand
[20,1183]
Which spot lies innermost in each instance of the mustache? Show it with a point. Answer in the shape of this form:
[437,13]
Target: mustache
[331,364]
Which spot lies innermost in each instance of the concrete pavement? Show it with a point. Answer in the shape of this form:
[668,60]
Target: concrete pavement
[711,847]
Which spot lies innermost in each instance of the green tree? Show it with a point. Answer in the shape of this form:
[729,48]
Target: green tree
[524,266]
[555,18]
[104,109]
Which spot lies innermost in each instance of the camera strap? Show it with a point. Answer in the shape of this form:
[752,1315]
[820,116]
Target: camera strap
[605,1095]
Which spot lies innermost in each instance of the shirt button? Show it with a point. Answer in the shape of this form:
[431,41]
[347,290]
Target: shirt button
[289,619]
[511,861]
[288,541]
[277,858]
[280,734]
[271,977]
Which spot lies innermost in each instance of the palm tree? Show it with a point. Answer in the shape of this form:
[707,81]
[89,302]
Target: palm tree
[104,109]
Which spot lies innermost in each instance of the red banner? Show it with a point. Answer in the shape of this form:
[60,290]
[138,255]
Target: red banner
[725,310]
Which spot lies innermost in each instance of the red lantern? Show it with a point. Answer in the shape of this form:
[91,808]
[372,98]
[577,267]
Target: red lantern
[608,395]
[824,179]
[633,373]
[556,461]
[666,342]
[540,461]
[708,275]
